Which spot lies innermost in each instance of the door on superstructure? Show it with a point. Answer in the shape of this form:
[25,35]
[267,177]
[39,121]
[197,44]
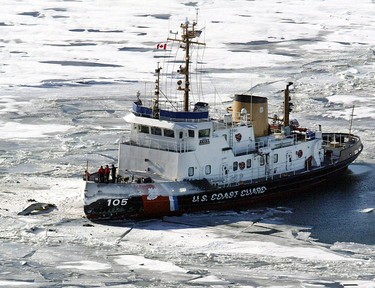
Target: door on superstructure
[289,161]
[225,172]
[269,165]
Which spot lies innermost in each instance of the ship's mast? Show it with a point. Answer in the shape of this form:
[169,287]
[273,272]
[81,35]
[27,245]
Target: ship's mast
[287,104]
[188,34]
[155,109]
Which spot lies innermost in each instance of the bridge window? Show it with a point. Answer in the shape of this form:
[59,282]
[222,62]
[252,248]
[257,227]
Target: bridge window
[168,133]
[204,133]
[235,166]
[156,131]
[144,129]
[191,171]
[208,169]
[191,133]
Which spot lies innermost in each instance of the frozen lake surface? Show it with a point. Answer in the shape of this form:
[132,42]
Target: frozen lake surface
[69,72]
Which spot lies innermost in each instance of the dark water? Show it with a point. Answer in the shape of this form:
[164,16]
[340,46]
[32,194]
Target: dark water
[341,210]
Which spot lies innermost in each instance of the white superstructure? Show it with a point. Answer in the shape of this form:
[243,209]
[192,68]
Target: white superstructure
[222,152]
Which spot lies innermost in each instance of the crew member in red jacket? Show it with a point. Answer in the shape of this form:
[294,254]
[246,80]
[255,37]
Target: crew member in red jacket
[101,173]
[107,170]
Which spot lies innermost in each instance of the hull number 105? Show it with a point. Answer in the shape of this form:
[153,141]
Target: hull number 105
[117,202]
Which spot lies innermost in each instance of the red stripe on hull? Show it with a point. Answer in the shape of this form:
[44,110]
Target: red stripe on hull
[159,206]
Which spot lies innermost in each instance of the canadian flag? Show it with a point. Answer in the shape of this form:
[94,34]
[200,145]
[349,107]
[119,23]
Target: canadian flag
[161,46]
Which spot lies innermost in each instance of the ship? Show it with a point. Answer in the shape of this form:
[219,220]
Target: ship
[178,159]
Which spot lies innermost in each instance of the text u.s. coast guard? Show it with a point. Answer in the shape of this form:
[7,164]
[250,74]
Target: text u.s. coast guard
[229,195]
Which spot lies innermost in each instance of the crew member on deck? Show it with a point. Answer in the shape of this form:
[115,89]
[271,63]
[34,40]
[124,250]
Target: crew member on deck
[101,174]
[113,169]
[106,173]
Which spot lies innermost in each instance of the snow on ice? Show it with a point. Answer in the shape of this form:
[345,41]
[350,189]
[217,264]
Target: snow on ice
[69,72]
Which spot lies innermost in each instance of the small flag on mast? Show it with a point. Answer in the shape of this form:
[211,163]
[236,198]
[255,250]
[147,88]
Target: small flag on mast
[161,46]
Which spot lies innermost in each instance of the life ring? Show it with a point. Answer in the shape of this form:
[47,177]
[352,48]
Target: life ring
[238,137]
[299,153]
[242,165]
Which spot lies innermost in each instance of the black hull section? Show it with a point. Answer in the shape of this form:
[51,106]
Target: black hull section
[243,196]
[234,197]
